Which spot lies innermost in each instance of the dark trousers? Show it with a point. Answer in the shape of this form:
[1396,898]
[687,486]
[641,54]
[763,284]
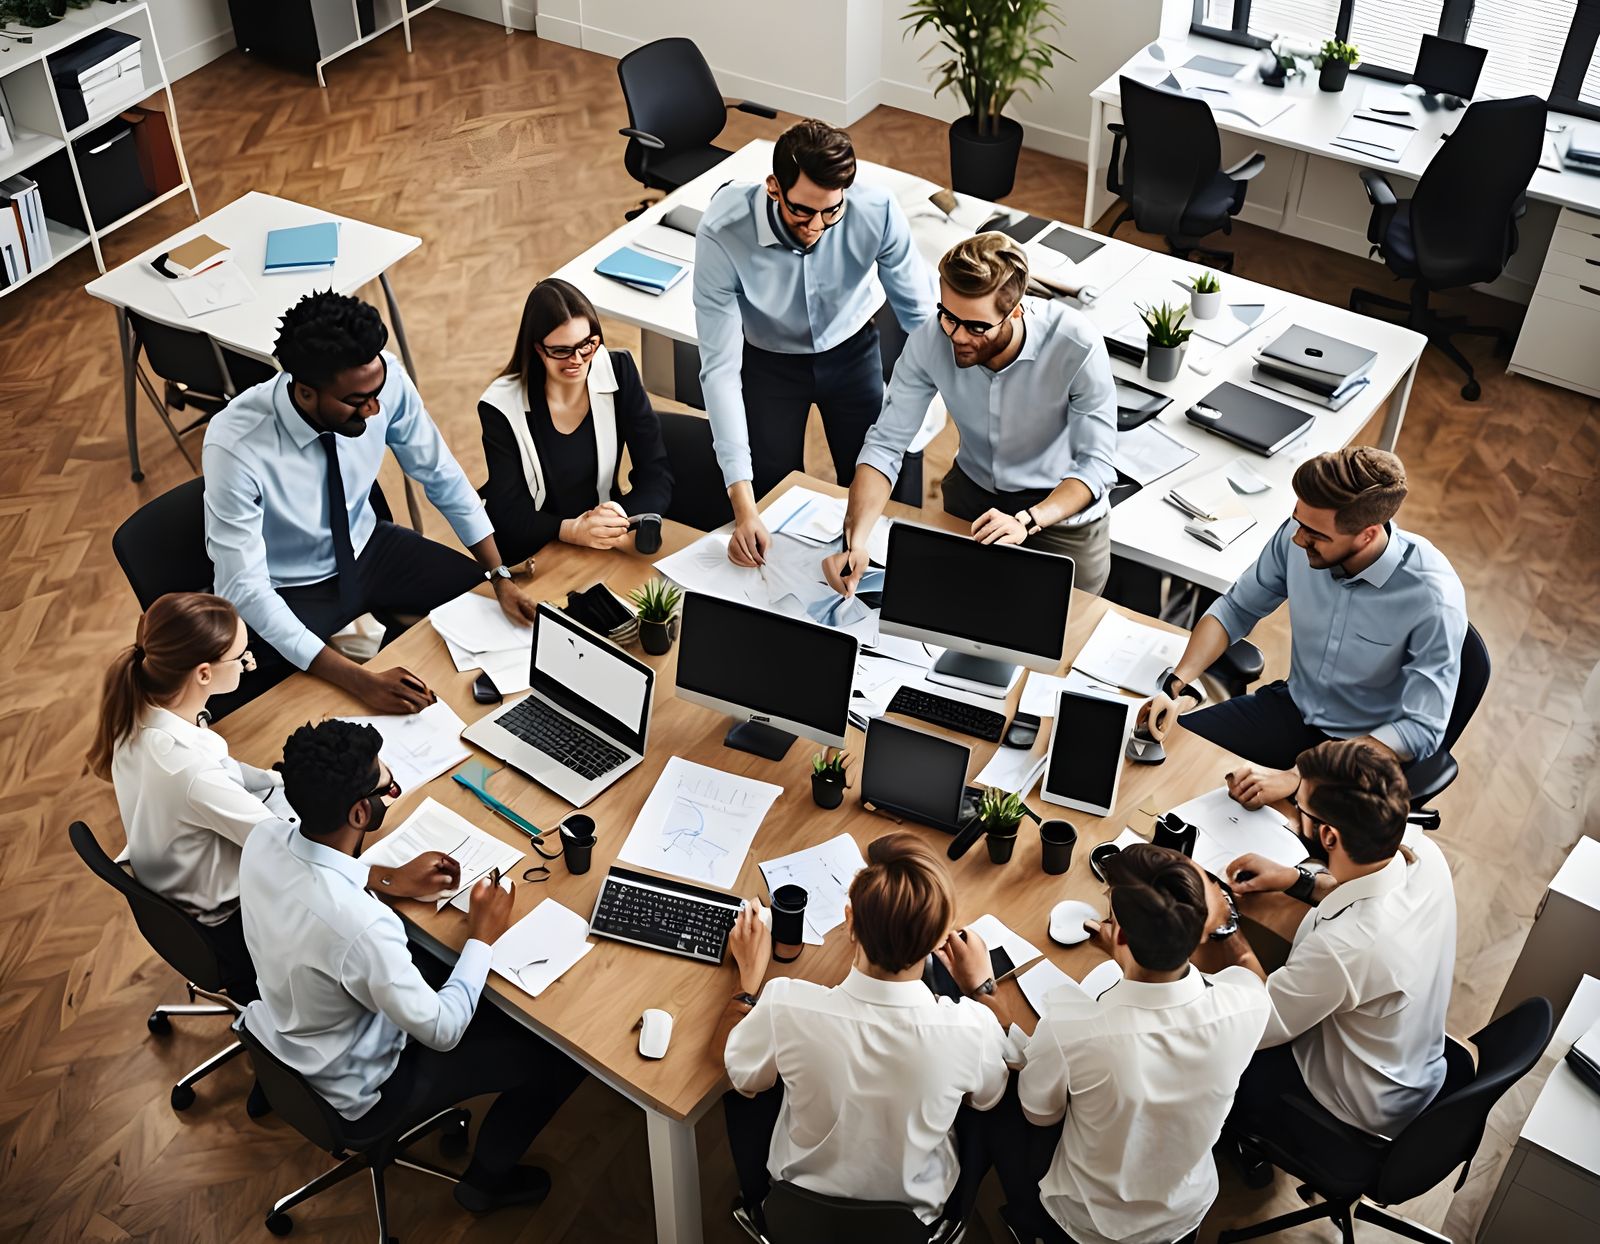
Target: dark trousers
[495,1055]
[1274,1105]
[844,383]
[751,1121]
[1263,727]
[1088,544]
[399,572]
[233,957]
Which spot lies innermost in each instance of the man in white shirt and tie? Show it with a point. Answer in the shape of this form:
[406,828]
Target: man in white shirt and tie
[1358,1010]
[1137,1081]
[857,1087]
[342,1001]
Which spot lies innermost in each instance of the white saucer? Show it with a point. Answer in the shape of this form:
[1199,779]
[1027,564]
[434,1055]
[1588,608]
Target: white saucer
[1066,921]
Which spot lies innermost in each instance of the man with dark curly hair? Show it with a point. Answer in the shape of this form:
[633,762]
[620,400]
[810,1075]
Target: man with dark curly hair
[290,527]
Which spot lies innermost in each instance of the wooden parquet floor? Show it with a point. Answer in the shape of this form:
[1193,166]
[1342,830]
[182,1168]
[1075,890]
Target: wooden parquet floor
[502,153]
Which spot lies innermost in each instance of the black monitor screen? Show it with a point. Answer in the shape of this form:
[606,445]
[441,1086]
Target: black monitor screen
[916,774]
[1086,751]
[996,594]
[1448,67]
[771,664]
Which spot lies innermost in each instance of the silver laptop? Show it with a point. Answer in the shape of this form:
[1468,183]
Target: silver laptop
[583,723]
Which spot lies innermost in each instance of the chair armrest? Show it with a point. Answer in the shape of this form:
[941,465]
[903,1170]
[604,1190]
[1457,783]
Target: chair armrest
[1519,209]
[1247,168]
[1114,165]
[754,109]
[1379,192]
[643,139]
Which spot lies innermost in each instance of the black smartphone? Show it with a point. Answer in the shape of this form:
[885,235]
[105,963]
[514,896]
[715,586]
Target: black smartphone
[1023,730]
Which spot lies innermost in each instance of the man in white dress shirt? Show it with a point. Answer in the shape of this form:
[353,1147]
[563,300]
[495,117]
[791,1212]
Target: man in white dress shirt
[1358,1010]
[1137,1081]
[858,1086]
[343,1003]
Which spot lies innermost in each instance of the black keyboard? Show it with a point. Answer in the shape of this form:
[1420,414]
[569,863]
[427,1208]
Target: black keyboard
[673,916]
[958,715]
[538,725]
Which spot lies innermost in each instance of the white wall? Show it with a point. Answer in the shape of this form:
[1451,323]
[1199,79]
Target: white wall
[522,11]
[191,33]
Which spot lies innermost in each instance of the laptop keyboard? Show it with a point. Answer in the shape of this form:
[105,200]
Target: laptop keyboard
[540,726]
[681,924]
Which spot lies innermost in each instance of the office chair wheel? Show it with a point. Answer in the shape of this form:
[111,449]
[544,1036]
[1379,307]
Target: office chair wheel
[182,1097]
[159,1024]
[137,477]
[1471,391]
[280,1224]
[453,1139]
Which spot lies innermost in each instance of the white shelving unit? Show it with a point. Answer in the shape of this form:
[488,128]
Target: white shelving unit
[39,132]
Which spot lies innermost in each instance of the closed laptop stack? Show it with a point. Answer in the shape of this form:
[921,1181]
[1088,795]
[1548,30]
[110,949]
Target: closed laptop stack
[1250,419]
[1313,367]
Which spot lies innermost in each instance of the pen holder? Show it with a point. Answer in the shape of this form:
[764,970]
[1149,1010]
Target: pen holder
[1056,841]
[577,842]
[788,922]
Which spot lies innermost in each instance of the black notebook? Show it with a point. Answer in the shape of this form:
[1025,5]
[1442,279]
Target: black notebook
[1316,356]
[1137,404]
[1250,419]
[1021,230]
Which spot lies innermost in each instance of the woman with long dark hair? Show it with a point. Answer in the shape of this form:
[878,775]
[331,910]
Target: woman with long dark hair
[554,427]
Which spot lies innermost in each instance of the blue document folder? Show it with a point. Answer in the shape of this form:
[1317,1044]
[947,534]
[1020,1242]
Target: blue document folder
[644,272]
[303,247]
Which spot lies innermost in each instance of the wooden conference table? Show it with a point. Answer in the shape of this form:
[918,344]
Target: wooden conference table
[591,1011]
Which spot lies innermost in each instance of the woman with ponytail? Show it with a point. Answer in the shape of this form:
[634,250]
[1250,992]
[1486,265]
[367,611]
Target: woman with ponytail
[187,806]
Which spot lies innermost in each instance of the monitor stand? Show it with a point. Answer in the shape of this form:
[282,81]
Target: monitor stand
[983,675]
[759,739]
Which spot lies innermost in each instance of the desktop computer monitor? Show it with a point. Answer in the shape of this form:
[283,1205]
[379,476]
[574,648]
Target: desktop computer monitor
[993,606]
[1447,67]
[781,676]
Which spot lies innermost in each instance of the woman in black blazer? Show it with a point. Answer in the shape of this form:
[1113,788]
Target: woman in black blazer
[554,426]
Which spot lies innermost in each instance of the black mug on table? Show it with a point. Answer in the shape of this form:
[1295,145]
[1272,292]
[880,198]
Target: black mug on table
[1056,840]
[577,842]
[788,922]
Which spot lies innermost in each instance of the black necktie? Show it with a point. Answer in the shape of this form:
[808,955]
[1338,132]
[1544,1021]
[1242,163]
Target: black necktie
[344,554]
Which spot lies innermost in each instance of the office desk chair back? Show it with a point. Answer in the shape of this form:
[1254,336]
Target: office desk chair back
[1460,225]
[795,1215]
[1428,778]
[675,113]
[174,935]
[699,499]
[1342,1164]
[1166,162]
[300,1105]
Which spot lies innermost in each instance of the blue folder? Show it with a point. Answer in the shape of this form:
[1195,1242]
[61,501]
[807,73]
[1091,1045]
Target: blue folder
[644,272]
[303,247]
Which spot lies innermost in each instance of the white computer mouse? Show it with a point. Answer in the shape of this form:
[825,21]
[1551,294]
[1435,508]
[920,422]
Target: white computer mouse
[1066,921]
[655,1033]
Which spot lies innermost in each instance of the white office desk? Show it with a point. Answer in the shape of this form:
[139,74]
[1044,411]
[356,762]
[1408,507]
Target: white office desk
[1144,528]
[366,253]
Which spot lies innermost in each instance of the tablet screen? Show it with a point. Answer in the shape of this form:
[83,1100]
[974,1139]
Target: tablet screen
[1086,752]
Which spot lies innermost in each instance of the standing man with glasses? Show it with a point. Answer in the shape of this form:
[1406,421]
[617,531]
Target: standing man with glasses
[290,465]
[784,301]
[1028,383]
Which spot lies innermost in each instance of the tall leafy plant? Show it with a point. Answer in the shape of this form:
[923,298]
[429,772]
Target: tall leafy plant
[996,49]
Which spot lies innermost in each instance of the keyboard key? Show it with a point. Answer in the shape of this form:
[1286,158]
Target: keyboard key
[958,715]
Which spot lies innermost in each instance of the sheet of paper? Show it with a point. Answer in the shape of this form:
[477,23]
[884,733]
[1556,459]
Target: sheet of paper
[673,243]
[806,513]
[434,827]
[1390,99]
[1229,830]
[698,823]
[1012,769]
[908,651]
[1385,136]
[824,872]
[1128,654]
[1234,322]
[418,747]
[510,672]
[550,932]
[1042,980]
[478,624]
[994,934]
[1245,478]
[1128,838]
[220,287]
[1040,691]
[1147,453]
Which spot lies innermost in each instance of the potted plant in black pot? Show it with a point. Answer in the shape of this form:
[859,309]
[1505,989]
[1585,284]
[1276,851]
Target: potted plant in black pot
[657,602]
[1001,812]
[1164,340]
[996,49]
[1334,62]
[827,779]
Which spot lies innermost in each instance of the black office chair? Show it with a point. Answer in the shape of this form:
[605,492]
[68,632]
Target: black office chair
[196,372]
[1459,226]
[1428,778]
[699,499]
[675,113]
[174,935]
[797,1216]
[1342,1164]
[358,1149]
[1171,175]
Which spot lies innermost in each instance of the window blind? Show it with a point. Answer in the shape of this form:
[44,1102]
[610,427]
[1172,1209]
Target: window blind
[1525,41]
[1308,21]
[1389,32]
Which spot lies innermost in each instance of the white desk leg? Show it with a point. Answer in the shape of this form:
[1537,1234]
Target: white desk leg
[675,1179]
[1395,412]
[413,502]
[1091,191]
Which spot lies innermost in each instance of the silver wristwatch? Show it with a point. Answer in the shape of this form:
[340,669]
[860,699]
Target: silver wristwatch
[499,572]
[986,989]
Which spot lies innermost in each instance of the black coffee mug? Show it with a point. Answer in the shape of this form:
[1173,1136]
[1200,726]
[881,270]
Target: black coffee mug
[647,532]
[1056,840]
[577,842]
[788,922]
[1173,832]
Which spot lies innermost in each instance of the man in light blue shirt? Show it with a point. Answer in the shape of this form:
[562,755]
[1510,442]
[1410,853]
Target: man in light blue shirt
[1028,384]
[1377,616]
[784,299]
[290,529]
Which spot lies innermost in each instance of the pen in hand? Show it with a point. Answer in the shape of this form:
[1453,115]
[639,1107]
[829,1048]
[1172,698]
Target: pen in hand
[844,571]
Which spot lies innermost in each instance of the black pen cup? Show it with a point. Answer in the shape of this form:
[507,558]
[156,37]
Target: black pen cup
[577,842]
[788,922]
[1056,841]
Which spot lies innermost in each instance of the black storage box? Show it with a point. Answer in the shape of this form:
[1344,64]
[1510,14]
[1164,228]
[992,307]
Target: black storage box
[67,68]
[108,162]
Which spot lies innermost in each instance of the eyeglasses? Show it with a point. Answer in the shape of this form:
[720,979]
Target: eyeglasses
[389,790]
[949,321]
[583,349]
[360,401]
[246,659]
[830,215]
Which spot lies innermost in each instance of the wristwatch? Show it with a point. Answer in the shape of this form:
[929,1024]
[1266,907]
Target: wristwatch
[1166,682]
[986,988]
[749,999]
[499,572]
[1304,885]
[1030,524]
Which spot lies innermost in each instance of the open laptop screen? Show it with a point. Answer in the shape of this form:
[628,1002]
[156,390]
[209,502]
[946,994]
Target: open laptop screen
[591,678]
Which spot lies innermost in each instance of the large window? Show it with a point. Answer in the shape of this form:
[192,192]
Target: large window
[1538,47]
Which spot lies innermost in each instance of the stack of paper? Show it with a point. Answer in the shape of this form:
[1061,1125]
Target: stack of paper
[537,949]
[1128,654]
[1042,691]
[1228,830]
[1147,453]
[434,827]
[1045,980]
[1235,321]
[418,747]
[824,872]
[819,519]
[996,936]
[480,636]
[1217,516]
[1013,768]
[698,823]
[1384,137]
[214,289]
